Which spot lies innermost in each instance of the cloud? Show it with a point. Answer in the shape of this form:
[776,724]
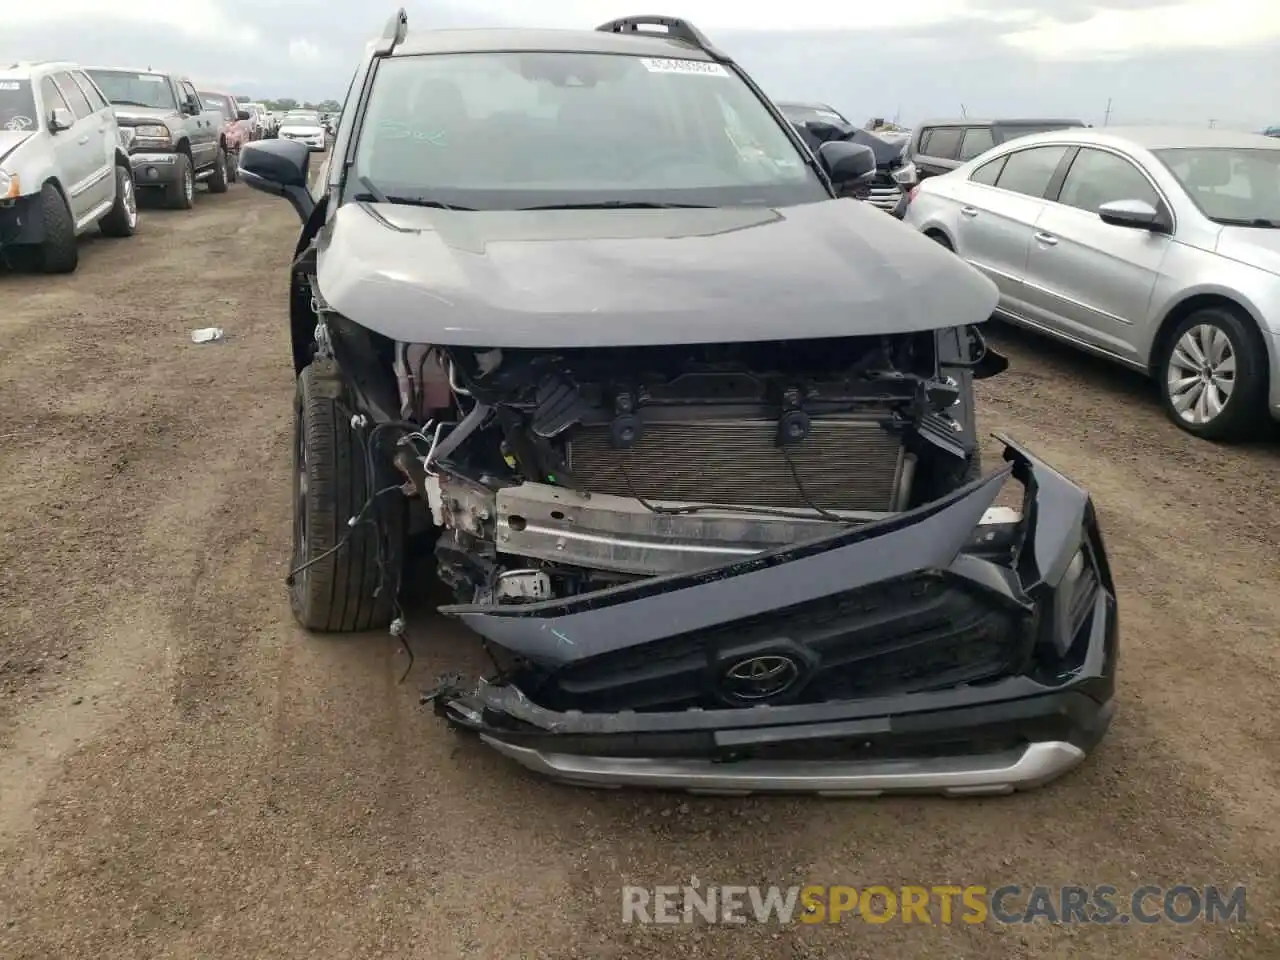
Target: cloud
[303,51]
[1158,59]
[1118,32]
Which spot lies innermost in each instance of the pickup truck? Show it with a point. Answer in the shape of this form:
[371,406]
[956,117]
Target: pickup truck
[237,126]
[177,140]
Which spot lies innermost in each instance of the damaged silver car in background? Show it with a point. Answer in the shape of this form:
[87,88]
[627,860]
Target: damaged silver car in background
[690,440]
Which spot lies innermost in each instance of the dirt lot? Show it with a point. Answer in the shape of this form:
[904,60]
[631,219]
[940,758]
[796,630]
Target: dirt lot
[184,774]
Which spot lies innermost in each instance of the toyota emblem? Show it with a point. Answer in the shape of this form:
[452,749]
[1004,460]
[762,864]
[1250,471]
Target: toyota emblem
[760,678]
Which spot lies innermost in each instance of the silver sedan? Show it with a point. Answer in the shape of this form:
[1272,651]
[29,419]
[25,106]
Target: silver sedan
[1156,248]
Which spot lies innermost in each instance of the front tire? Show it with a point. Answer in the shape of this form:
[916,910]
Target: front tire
[1212,375]
[218,180]
[181,195]
[336,593]
[122,219]
[59,252]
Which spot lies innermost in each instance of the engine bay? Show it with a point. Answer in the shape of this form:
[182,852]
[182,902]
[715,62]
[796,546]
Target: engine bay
[550,473]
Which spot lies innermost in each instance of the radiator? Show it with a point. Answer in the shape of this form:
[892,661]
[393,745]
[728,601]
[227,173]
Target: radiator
[844,464]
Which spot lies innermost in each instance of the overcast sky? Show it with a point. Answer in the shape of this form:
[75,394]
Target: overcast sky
[1191,61]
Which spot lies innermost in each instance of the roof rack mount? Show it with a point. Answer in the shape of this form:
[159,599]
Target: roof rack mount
[676,29]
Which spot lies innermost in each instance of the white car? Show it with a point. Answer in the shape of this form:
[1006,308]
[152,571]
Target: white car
[1156,248]
[304,126]
[64,165]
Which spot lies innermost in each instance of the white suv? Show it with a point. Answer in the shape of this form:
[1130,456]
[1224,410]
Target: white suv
[64,165]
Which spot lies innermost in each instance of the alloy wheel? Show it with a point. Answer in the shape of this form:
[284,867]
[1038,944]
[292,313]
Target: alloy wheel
[130,199]
[1201,374]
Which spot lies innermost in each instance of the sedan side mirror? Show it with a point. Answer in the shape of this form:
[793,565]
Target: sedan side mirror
[1136,214]
[846,162]
[242,115]
[60,118]
[279,167]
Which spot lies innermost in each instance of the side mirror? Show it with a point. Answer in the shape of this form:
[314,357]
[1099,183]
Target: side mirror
[1136,214]
[190,107]
[846,162]
[60,118]
[242,115]
[279,167]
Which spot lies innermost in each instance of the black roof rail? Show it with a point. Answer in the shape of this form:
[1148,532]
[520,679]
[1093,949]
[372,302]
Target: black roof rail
[394,32]
[677,29]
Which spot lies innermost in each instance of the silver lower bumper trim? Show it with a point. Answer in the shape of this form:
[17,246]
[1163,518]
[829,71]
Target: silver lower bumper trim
[984,775]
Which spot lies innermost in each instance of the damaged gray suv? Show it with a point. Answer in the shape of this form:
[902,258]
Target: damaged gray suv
[691,442]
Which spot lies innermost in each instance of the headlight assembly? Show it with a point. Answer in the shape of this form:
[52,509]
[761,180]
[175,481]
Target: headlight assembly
[905,174]
[9,186]
[152,132]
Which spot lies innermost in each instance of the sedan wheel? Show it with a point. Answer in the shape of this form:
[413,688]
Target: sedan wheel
[1213,375]
[1202,374]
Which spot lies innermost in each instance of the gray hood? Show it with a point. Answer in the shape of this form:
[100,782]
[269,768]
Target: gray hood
[608,278]
[11,139]
[132,116]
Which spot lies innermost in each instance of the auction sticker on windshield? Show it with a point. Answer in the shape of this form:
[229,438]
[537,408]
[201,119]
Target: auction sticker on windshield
[10,85]
[150,78]
[666,65]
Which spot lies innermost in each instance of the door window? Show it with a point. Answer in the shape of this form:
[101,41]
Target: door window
[989,172]
[52,97]
[943,143]
[977,140]
[1097,177]
[189,94]
[1029,171]
[78,102]
[96,101]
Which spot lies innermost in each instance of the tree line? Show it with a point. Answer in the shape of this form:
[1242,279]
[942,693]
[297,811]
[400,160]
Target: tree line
[285,104]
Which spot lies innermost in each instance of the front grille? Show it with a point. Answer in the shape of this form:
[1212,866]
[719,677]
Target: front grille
[843,464]
[919,633]
[886,196]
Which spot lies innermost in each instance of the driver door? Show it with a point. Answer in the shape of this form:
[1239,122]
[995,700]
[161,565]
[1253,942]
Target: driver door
[73,149]
[204,131]
[1092,281]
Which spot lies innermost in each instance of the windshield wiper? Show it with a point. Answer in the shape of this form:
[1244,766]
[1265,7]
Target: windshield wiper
[371,192]
[1247,222]
[622,205]
[134,103]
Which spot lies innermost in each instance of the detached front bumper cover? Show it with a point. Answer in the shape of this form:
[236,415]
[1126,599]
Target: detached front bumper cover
[1045,572]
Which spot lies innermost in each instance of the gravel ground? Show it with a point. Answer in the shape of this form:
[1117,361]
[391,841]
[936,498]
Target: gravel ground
[184,774]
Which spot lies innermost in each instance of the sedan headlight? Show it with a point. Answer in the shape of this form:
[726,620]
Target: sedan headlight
[9,186]
[905,174]
[152,132]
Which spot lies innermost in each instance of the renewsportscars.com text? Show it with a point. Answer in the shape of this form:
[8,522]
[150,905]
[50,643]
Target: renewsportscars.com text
[937,904]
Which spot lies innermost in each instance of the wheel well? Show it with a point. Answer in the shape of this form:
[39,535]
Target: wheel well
[53,182]
[933,233]
[184,146]
[1181,311]
[122,160]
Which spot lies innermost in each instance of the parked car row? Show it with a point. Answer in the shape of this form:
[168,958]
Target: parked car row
[77,143]
[65,165]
